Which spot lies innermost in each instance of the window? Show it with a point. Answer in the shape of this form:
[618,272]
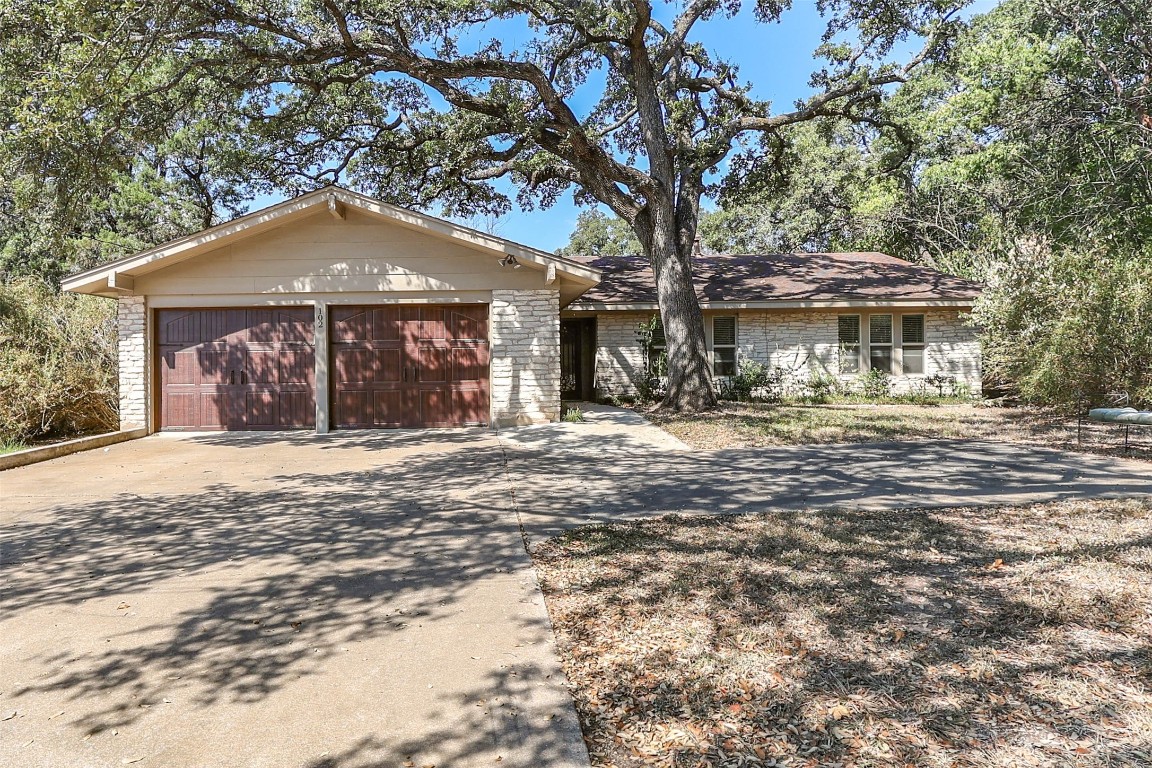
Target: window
[724,346]
[658,351]
[912,342]
[849,330]
[880,343]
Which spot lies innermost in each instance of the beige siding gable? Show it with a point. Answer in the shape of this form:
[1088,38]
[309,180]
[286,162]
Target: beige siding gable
[321,254]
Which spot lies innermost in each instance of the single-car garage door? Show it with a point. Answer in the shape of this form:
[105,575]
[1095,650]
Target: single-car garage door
[236,368]
[410,366]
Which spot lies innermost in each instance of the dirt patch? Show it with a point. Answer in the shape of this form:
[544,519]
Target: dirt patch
[1014,636]
[747,425]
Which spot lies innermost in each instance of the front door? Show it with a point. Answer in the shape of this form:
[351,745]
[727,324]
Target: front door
[577,359]
[410,366]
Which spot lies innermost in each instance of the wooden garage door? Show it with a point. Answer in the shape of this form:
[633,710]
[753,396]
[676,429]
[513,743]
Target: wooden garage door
[410,366]
[236,368]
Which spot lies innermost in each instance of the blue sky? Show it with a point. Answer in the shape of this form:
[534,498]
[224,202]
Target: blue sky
[776,59]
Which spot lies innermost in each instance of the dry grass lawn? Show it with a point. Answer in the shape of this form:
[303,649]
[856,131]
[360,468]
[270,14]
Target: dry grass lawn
[745,425]
[1018,636]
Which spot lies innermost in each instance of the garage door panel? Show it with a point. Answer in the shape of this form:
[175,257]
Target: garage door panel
[469,364]
[227,368]
[260,409]
[432,325]
[352,408]
[350,324]
[468,325]
[296,366]
[263,366]
[470,405]
[179,367]
[294,326]
[353,366]
[218,366]
[388,408]
[387,366]
[386,324]
[432,364]
[223,325]
[218,410]
[297,410]
[181,409]
[434,407]
[179,327]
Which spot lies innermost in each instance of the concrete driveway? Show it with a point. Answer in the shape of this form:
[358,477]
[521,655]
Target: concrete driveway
[275,600]
[365,599]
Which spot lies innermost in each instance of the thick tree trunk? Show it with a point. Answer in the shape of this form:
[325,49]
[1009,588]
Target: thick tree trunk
[689,375]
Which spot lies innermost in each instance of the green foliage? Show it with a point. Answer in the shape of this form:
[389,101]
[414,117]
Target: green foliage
[756,381]
[875,384]
[8,445]
[1065,325]
[650,383]
[574,415]
[57,362]
[821,387]
[599,235]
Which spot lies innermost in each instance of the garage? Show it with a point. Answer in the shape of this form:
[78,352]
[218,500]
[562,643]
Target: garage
[410,366]
[336,310]
[236,369]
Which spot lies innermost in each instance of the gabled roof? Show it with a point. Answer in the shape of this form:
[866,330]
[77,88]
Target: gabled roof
[116,277]
[784,280]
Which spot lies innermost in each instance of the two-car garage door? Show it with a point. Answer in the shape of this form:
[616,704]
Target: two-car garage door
[392,366]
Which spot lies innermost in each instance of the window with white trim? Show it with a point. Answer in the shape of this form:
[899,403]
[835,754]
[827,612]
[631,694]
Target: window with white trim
[912,342]
[724,346]
[880,343]
[848,328]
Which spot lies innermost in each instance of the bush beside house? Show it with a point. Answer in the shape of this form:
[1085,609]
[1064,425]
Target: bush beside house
[57,363]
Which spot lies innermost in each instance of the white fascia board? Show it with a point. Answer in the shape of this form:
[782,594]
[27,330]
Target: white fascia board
[643,306]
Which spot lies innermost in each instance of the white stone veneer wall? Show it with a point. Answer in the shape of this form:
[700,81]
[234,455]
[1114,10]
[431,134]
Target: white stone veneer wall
[132,329]
[791,340]
[525,341]
[619,356]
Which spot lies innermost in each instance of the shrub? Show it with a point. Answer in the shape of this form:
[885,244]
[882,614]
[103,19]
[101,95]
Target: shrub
[875,384]
[756,381]
[820,387]
[1064,325]
[57,363]
[573,415]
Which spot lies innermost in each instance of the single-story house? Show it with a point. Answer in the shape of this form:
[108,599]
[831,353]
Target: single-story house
[834,315]
[336,310]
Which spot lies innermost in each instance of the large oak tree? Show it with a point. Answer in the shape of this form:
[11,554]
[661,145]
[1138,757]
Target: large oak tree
[424,101]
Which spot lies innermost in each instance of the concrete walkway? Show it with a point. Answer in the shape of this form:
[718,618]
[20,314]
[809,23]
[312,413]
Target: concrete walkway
[557,491]
[364,599]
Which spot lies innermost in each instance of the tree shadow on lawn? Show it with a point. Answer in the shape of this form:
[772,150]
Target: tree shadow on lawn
[861,638]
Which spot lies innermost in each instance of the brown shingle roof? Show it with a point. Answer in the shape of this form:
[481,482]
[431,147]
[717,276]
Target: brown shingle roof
[784,277]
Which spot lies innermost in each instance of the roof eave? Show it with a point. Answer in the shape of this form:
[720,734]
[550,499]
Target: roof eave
[639,306]
[102,280]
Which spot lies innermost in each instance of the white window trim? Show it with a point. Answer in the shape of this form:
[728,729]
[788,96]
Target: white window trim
[897,345]
[861,346]
[890,346]
[898,333]
[712,341]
